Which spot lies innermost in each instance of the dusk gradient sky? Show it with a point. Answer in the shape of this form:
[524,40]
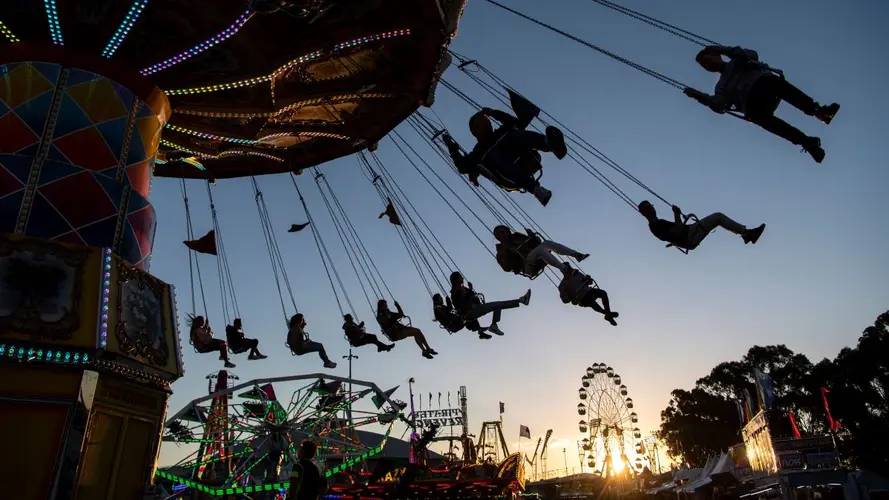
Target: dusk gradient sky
[816,278]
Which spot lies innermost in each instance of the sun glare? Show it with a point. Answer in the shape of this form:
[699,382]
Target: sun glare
[617,465]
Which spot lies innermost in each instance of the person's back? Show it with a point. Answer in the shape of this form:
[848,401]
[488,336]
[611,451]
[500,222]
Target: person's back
[201,335]
[353,331]
[446,317]
[463,299]
[313,484]
[663,230]
[234,335]
[573,286]
[738,78]
[296,337]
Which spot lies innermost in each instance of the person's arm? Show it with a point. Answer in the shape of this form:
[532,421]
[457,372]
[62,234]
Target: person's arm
[678,223]
[400,311]
[449,303]
[501,116]
[716,102]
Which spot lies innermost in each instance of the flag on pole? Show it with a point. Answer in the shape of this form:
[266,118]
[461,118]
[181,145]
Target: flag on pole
[449,399]
[834,425]
[748,404]
[430,401]
[524,432]
[379,401]
[439,400]
[205,244]
[793,425]
[502,408]
[740,412]
[765,391]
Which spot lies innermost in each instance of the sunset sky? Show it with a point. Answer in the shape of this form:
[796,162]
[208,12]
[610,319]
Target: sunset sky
[816,278]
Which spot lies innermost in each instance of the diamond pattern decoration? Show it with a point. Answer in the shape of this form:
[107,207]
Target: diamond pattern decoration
[113,131]
[140,177]
[9,210]
[90,204]
[98,100]
[99,234]
[45,221]
[35,111]
[71,118]
[49,71]
[71,237]
[143,224]
[9,183]
[113,189]
[86,148]
[22,84]
[79,76]
[15,134]
[17,165]
[52,171]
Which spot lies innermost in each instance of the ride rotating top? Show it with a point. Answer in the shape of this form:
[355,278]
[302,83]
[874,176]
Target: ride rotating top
[237,88]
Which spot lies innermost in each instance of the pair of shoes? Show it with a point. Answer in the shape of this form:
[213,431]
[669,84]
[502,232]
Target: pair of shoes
[610,318]
[256,356]
[752,235]
[427,355]
[555,140]
[386,348]
[484,336]
[495,330]
[813,147]
[542,194]
[826,113]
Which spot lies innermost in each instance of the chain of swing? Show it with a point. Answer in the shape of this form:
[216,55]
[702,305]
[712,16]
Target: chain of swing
[274,250]
[230,307]
[194,267]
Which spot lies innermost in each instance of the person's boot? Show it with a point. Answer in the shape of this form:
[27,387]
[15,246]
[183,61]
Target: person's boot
[812,145]
[555,141]
[427,355]
[542,194]
[752,235]
[329,364]
[610,318]
[826,113]
[526,299]
[495,330]
[381,347]
[432,351]
[484,336]
[229,364]
[581,256]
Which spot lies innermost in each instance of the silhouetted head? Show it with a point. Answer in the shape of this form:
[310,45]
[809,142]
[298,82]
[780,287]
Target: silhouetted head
[307,449]
[348,318]
[437,300]
[480,126]
[567,270]
[382,306]
[236,323]
[710,59]
[298,321]
[197,322]
[501,233]
[456,278]
[647,210]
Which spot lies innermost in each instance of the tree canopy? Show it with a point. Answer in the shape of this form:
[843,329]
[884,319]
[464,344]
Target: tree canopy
[703,421]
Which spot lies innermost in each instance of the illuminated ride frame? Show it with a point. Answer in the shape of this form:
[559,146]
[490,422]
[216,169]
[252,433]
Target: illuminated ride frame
[97,99]
[245,437]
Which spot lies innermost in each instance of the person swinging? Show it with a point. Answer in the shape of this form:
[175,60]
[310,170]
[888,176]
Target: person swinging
[357,336]
[446,316]
[395,330]
[471,307]
[528,254]
[510,152]
[202,339]
[238,341]
[688,236]
[755,89]
[299,342]
[576,288]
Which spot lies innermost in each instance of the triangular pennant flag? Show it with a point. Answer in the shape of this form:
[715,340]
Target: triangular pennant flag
[378,400]
[390,212]
[205,244]
[297,227]
[331,388]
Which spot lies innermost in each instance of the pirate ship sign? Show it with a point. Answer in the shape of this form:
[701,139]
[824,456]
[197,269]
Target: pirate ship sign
[439,416]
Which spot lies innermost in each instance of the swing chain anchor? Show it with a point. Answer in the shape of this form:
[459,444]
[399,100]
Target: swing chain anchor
[467,62]
[438,134]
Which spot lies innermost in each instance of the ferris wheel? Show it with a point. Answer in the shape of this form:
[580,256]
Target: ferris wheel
[244,437]
[612,442]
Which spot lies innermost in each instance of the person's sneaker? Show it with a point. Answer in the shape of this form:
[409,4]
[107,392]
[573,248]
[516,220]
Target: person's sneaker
[826,113]
[229,364]
[610,318]
[555,140]
[261,356]
[752,235]
[526,299]
[581,257]
[543,195]
[432,352]
[813,147]
[329,364]
[427,355]
[495,330]
[252,357]
[484,336]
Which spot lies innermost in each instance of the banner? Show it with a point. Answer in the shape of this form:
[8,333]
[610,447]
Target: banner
[442,418]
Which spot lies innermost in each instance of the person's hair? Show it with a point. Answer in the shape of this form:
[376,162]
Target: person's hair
[474,117]
[308,448]
[437,297]
[644,203]
[347,317]
[194,321]
[236,320]
[706,54]
[501,227]
[296,319]
[380,305]
[455,276]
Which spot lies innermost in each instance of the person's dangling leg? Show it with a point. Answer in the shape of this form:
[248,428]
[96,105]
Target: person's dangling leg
[312,346]
[792,95]
[552,142]
[420,339]
[544,251]
[222,347]
[492,307]
[702,228]
[598,293]
[763,101]
[372,339]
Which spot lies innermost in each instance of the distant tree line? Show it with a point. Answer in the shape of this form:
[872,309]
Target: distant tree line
[704,421]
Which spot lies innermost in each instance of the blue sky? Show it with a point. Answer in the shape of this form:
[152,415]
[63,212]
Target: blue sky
[815,280]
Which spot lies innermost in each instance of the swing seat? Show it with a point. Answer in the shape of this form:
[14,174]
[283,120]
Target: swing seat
[200,349]
[239,350]
[292,352]
[685,219]
[404,321]
[530,162]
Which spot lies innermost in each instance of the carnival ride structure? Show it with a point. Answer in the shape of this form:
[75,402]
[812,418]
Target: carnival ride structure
[96,99]
[611,446]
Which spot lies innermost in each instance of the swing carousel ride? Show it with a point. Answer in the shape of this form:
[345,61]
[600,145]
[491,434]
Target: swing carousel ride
[100,97]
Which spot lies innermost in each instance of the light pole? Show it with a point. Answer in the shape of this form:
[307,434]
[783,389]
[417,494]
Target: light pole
[350,357]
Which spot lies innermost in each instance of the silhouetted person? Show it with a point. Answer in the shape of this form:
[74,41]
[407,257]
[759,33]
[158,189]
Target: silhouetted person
[239,342]
[357,336]
[689,236]
[300,343]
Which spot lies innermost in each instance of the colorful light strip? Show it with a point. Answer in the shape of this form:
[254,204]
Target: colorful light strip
[197,49]
[205,135]
[52,17]
[291,107]
[177,329]
[184,149]
[8,33]
[124,29]
[248,153]
[106,297]
[21,352]
[290,65]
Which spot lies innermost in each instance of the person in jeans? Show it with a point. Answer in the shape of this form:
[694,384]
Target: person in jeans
[239,342]
[688,236]
[395,330]
[576,288]
[469,305]
[754,89]
[502,151]
[300,343]
[357,336]
[202,338]
[528,250]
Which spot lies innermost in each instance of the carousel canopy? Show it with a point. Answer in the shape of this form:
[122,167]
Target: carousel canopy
[259,86]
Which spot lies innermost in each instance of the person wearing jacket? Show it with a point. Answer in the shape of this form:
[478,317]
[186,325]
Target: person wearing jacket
[576,288]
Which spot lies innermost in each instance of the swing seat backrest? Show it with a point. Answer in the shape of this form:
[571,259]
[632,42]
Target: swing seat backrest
[530,162]
[198,348]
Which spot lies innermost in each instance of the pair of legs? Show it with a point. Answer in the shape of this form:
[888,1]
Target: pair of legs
[248,344]
[218,345]
[589,300]
[368,339]
[496,308]
[403,332]
[312,346]
[509,158]
[765,96]
[700,229]
[545,251]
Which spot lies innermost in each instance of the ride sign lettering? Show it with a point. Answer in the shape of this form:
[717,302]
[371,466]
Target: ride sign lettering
[442,418]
